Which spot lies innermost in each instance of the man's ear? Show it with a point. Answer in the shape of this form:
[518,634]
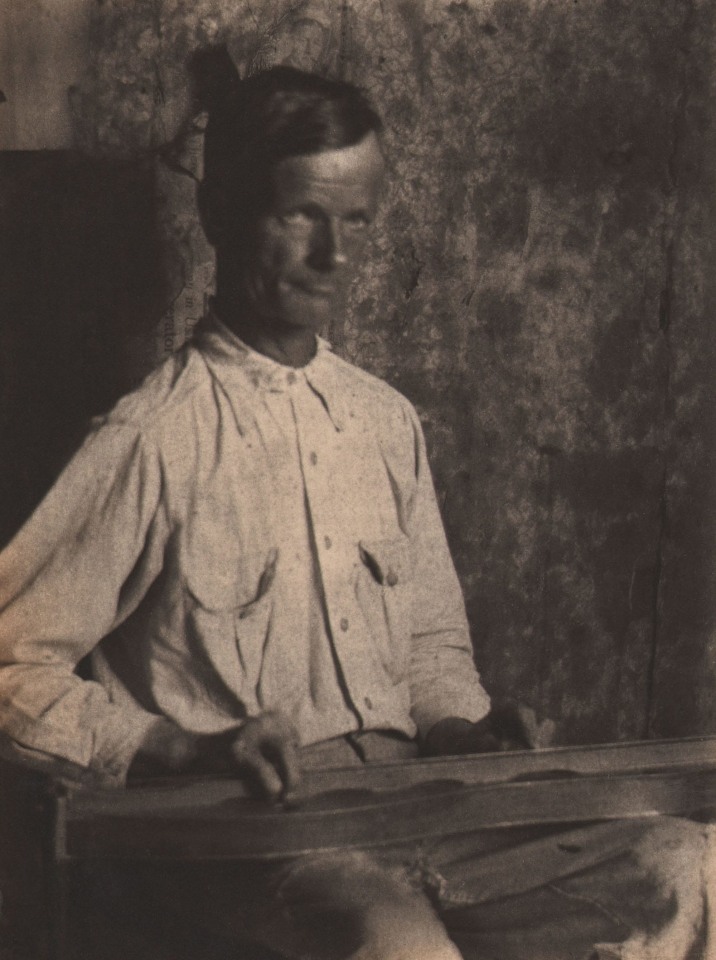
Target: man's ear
[213,211]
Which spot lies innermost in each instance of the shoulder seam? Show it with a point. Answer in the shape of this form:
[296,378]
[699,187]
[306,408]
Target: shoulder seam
[371,380]
[176,395]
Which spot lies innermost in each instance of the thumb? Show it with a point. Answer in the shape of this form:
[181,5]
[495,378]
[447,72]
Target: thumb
[538,733]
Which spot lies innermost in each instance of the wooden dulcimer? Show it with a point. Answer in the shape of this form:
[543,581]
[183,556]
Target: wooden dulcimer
[390,802]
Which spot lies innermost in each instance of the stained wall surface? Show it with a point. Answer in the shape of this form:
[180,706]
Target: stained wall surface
[540,286]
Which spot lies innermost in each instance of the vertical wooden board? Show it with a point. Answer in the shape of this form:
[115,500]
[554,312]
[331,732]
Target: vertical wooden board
[44,51]
[684,665]
[80,285]
[25,924]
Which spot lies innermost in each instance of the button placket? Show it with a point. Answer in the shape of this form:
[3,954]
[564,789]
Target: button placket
[315,448]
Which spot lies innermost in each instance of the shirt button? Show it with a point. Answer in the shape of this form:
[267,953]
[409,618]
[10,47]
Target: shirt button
[392,578]
[328,542]
[369,703]
[344,624]
[291,377]
[313,457]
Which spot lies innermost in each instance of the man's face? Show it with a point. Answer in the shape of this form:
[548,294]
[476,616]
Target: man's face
[308,244]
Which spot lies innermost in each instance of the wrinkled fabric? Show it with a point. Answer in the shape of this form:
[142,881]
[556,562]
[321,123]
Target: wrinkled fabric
[235,536]
[636,891]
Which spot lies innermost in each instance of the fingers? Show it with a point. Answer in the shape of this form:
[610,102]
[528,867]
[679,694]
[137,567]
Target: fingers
[266,751]
[521,727]
[517,728]
[262,775]
[285,761]
[533,732]
[545,734]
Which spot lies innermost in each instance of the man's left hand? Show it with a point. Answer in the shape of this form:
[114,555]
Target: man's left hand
[508,726]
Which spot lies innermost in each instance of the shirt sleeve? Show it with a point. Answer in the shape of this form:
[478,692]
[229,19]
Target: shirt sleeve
[443,679]
[76,569]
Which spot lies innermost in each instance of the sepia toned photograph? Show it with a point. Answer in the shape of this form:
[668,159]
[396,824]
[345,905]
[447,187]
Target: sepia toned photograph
[357,495]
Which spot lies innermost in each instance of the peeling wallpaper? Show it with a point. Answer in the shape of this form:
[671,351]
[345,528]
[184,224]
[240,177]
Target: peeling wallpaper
[540,286]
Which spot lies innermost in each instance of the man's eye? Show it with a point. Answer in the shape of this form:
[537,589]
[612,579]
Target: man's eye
[357,221]
[297,218]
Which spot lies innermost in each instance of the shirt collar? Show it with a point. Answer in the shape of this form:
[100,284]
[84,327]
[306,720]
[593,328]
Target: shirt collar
[229,356]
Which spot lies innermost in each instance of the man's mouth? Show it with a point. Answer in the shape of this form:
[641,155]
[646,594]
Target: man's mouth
[315,290]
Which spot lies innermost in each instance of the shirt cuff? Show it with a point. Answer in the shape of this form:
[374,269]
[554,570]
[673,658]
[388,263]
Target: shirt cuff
[118,743]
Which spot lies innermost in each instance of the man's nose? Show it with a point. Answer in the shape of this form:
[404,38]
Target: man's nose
[328,250]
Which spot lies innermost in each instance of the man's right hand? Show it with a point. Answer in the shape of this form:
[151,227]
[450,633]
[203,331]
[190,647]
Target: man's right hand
[264,750]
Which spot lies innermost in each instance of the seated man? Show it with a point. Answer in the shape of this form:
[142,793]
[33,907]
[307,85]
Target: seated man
[249,547]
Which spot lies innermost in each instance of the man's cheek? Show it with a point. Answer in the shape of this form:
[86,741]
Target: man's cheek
[276,263]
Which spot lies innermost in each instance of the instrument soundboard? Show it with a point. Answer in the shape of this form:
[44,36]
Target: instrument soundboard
[381,803]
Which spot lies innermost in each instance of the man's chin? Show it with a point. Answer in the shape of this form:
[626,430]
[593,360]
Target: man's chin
[311,313]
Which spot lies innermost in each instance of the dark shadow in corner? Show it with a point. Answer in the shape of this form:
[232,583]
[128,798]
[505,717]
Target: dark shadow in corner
[81,279]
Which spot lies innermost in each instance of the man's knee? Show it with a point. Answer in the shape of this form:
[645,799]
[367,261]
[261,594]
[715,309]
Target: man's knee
[350,906]
[673,851]
[400,924]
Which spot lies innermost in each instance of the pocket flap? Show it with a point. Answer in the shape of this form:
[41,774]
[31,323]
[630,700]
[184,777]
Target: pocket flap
[231,581]
[387,560]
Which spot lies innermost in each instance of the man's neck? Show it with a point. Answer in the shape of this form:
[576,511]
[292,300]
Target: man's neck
[288,345]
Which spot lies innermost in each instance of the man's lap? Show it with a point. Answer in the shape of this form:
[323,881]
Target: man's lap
[525,893]
[642,887]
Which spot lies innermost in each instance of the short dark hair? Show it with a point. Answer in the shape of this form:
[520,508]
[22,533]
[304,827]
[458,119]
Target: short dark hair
[279,113]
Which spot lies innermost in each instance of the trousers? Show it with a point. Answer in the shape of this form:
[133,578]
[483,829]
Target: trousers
[633,889]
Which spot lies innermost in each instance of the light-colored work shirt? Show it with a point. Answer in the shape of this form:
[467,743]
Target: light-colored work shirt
[235,536]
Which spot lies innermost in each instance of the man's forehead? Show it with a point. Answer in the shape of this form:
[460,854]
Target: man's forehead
[360,163]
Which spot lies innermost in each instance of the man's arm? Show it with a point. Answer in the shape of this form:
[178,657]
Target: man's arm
[509,726]
[76,569]
[443,680]
[79,567]
[453,712]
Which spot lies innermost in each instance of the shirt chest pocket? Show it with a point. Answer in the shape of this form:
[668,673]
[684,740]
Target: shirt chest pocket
[384,590]
[227,612]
